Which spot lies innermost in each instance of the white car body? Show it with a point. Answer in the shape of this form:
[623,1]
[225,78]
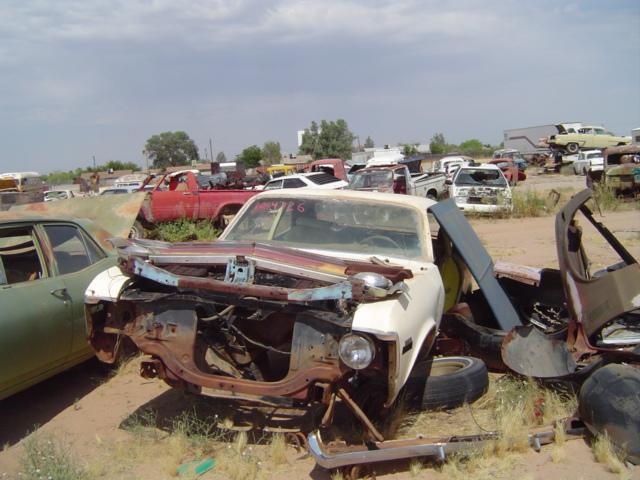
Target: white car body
[449,165]
[490,195]
[407,318]
[588,160]
[55,195]
[316,180]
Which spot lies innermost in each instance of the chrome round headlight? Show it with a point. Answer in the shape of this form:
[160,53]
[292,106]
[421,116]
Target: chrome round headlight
[356,351]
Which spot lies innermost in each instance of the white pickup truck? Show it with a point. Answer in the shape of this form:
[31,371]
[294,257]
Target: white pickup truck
[397,178]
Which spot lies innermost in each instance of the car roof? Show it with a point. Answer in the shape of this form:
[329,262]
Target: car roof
[484,166]
[299,175]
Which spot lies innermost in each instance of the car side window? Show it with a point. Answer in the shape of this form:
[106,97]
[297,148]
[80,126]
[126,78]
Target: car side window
[294,183]
[73,250]
[273,185]
[19,257]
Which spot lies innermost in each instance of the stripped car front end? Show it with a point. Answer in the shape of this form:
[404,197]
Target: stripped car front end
[289,317]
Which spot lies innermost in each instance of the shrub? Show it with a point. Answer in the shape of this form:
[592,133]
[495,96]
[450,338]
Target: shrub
[184,230]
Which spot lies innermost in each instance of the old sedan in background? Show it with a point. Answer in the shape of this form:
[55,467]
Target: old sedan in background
[48,254]
[587,137]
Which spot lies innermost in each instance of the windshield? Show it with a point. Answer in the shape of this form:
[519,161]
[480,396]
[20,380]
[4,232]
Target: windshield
[374,179]
[480,177]
[350,226]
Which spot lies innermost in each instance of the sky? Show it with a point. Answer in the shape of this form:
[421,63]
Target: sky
[99,77]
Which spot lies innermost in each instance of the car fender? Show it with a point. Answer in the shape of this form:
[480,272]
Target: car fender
[408,319]
[106,286]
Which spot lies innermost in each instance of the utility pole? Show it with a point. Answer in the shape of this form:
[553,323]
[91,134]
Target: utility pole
[211,148]
[94,163]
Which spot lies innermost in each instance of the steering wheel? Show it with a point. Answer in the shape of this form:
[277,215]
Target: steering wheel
[380,241]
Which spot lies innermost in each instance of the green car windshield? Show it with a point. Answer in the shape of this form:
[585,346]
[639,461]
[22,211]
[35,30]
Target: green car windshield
[349,226]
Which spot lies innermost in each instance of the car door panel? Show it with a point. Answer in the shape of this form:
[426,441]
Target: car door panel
[36,322]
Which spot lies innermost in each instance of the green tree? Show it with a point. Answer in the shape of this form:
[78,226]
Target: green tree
[438,144]
[251,156]
[471,147]
[221,157]
[271,153]
[116,165]
[409,150]
[368,143]
[171,149]
[329,140]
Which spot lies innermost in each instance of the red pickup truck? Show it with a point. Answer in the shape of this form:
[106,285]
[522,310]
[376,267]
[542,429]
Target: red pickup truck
[187,194]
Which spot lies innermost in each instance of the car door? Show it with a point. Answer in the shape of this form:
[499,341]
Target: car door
[36,315]
[77,259]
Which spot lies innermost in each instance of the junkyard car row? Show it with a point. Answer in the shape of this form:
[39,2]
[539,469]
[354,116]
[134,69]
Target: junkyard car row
[311,297]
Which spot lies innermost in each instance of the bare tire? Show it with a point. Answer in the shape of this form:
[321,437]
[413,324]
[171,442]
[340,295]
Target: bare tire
[452,381]
[137,230]
[609,401]
[572,148]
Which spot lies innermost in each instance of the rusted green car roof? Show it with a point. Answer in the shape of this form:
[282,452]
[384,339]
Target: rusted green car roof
[102,216]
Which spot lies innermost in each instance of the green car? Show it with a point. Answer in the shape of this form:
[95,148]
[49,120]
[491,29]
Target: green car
[48,255]
[587,137]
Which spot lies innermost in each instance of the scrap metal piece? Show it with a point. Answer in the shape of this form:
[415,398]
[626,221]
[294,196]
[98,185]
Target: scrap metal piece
[478,261]
[357,411]
[240,270]
[337,291]
[529,352]
[341,456]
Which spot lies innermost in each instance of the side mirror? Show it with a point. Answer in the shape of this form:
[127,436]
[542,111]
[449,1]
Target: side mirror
[448,181]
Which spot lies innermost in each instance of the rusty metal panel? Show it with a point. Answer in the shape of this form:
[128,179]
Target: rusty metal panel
[109,215]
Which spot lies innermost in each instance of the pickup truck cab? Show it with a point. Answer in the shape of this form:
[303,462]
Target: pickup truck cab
[398,179]
[179,195]
[332,166]
[621,170]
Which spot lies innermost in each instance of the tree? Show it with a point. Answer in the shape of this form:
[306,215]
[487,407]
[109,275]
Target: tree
[329,140]
[221,157]
[368,143]
[472,147]
[409,150]
[438,144]
[271,153]
[116,165]
[250,156]
[171,149]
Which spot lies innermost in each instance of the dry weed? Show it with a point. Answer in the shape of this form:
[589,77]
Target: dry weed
[278,449]
[606,453]
[558,454]
[415,468]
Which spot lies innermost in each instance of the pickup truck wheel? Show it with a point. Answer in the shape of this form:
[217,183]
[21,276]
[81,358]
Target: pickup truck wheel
[572,148]
[432,196]
[452,381]
[609,402]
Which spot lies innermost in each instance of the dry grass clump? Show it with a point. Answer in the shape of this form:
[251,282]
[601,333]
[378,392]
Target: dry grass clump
[47,457]
[606,453]
[278,450]
[512,407]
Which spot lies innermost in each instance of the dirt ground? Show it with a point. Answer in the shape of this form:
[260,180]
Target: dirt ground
[89,405]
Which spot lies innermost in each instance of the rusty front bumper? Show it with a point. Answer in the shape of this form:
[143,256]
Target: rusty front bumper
[438,448]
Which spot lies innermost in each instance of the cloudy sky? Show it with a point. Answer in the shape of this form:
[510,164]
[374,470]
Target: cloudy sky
[99,77]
